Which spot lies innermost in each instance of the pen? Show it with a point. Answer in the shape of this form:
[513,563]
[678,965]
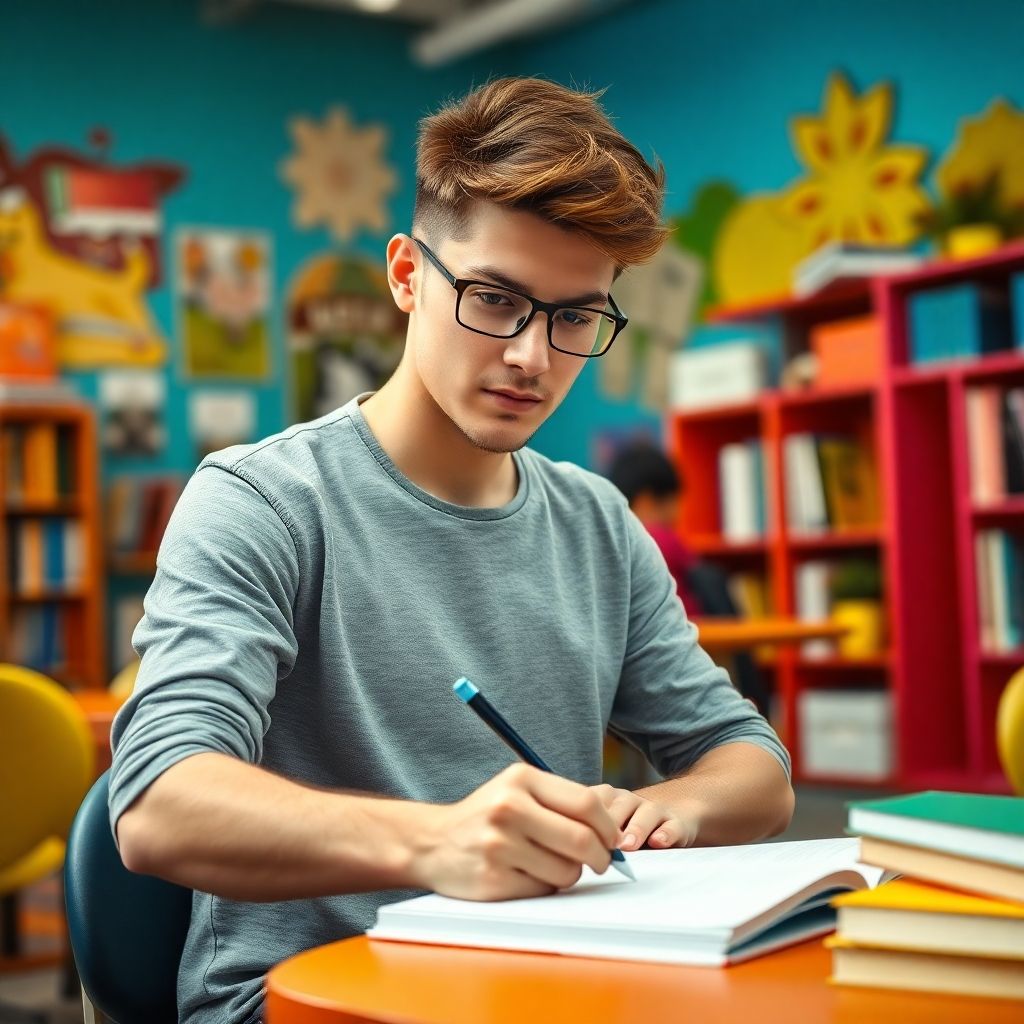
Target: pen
[470,694]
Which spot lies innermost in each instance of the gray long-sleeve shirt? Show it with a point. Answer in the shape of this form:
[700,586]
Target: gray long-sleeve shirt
[311,610]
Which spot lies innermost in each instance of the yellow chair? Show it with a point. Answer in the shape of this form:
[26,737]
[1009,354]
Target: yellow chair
[1010,731]
[47,763]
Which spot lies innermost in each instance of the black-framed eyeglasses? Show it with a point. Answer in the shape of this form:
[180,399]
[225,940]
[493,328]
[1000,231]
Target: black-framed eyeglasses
[501,312]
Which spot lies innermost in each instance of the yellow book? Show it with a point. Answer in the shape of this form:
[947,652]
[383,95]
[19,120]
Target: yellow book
[925,972]
[910,915]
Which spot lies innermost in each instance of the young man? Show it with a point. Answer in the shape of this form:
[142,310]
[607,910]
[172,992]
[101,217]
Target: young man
[293,751]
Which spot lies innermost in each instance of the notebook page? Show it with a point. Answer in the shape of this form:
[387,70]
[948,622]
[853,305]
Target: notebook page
[697,892]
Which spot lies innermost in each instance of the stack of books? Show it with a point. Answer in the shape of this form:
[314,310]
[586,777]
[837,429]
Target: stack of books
[837,263]
[955,921]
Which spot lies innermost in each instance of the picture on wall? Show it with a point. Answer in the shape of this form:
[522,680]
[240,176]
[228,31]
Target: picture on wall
[80,239]
[220,419]
[132,404]
[345,333]
[223,296]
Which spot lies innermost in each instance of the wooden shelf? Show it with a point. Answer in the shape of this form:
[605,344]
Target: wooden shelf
[999,659]
[827,396]
[835,541]
[49,595]
[60,507]
[719,547]
[827,304]
[750,410]
[50,448]
[970,369]
[132,564]
[1008,509]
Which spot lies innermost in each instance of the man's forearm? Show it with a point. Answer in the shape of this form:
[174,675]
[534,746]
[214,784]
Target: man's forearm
[738,793]
[217,824]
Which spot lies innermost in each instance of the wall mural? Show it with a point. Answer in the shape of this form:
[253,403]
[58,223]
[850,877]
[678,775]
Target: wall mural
[223,294]
[345,333]
[79,238]
[859,187]
[339,174]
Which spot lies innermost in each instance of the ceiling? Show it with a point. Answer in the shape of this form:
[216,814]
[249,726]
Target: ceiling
[451,29]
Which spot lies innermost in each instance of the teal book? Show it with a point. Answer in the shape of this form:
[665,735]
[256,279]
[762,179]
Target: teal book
[982,827]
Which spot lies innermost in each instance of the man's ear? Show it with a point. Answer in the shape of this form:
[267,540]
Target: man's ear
[403,271]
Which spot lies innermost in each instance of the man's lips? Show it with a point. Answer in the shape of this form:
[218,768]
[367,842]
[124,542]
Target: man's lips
[521,398]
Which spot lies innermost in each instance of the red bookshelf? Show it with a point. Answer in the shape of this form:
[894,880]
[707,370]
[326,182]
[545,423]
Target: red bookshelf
[944,687]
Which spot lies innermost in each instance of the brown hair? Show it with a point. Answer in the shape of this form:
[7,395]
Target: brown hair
[534,145]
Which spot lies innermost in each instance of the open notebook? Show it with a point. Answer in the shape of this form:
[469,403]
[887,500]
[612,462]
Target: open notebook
[707,906]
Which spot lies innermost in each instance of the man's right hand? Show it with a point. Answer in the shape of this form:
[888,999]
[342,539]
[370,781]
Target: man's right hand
[524,833]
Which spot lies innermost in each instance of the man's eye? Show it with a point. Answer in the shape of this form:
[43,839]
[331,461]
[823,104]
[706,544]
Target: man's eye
[491,298]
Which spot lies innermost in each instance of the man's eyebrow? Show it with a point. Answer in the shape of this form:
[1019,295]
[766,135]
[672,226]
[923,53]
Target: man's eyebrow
[517,286]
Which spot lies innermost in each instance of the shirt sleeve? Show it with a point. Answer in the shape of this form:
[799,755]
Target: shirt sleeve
[216,637]
[673,703]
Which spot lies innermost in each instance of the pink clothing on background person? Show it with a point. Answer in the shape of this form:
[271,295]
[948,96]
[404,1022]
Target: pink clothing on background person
[679,560]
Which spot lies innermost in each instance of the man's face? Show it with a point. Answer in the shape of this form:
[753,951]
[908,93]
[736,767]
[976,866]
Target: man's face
[473,378]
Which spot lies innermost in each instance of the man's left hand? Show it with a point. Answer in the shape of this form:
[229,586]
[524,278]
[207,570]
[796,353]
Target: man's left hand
[644,821]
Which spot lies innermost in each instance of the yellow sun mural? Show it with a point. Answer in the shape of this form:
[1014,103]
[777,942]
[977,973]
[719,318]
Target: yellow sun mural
[859,188]
[339,175]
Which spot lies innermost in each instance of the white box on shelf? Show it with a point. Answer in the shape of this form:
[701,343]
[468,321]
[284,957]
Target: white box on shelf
[723,374]
[846,734]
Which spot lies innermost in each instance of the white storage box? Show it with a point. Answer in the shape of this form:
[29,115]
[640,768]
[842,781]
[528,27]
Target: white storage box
[731,372]
[846,734]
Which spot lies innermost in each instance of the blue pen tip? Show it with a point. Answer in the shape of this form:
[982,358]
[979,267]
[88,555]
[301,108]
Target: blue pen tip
[465,690]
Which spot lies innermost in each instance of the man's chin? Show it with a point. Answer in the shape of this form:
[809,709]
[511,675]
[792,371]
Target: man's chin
[495,439]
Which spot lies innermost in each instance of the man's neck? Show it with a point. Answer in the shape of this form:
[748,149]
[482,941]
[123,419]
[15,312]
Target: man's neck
[432,452]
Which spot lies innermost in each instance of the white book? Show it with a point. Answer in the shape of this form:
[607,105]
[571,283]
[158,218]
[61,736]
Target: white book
[707,907]
[999,590]
[737,481]
[806,510]
[839,261]
[813,603]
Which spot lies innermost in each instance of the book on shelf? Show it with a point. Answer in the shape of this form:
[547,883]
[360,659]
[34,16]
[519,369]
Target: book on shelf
[916,934]
[999,571]
[750,594]
[37,638]
[813,603]
[741,490]
[138,510]
[838,262]
[38,462]
[995,439]
[45,554]
[830,484]
[710,907]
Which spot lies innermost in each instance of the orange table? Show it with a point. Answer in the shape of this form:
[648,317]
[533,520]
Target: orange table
[99,706]
[720,635]
[358,980]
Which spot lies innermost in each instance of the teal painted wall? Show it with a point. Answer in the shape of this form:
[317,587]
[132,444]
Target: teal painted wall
[706,85]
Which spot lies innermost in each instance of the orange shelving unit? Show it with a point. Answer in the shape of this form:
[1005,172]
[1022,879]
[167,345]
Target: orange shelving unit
[51,567]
